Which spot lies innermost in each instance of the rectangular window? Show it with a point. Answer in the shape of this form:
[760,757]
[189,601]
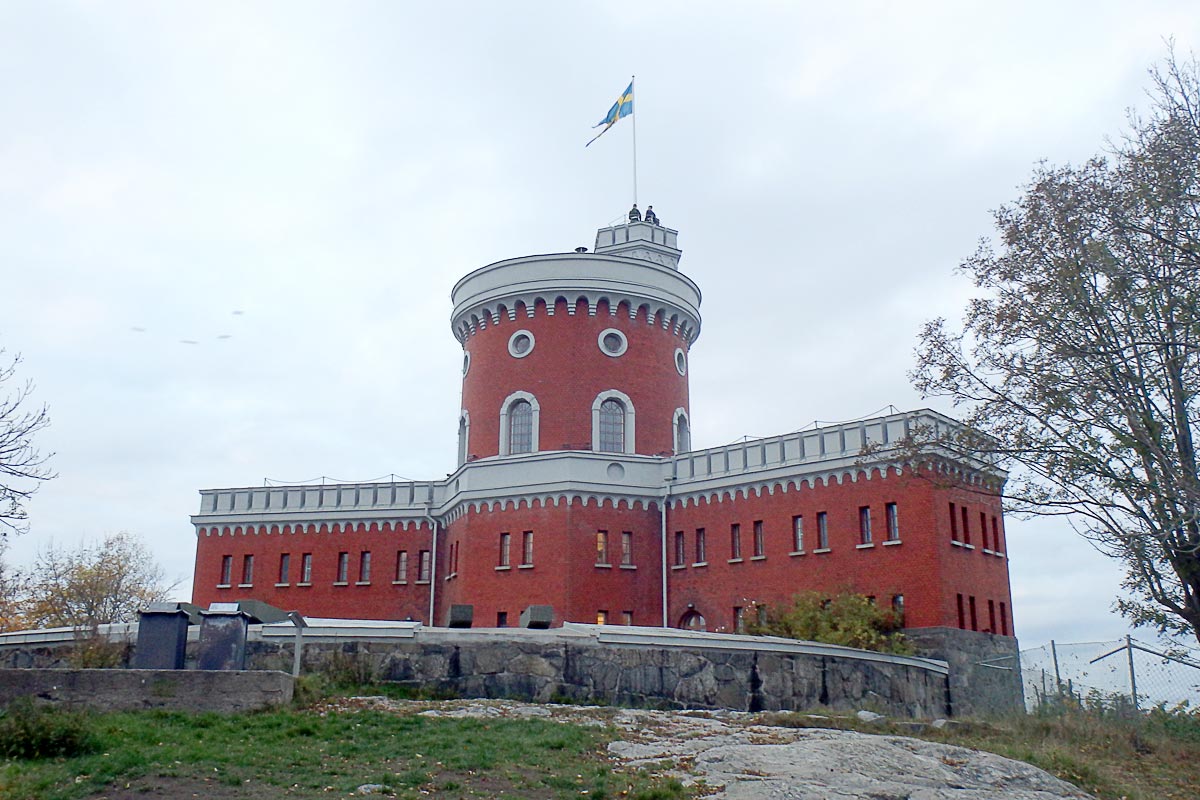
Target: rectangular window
[680,549]
[797,534]
[401,566]
[626,617]
[953,524]
[893,522]
[735,541]
[1003,618]
[247,570]
[898,607]
[501,619]
[996,545]
[601,617]
[974,616]
[343,569]
[601,547]
[739,621]
[822,530]
[426,567]
[864,525]
[627,548]
[226,570]
[962,618]
[364,566]
[701,556]
[306,568]
[527,548]
[966,526]
[991,616]
[284,567]
[983,529]
[505,541]
[760,546]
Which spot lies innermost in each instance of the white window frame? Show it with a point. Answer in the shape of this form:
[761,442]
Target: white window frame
[537,409]
[464,436]
[630,419]
[679,412]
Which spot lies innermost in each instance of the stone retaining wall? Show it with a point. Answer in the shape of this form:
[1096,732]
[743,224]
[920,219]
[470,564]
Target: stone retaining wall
[128,689]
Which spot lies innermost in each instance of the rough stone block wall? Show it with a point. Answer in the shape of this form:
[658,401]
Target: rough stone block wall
[538,670]
[128,689]
[985,670]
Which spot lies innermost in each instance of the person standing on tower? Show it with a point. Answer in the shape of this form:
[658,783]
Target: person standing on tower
[651,217]
[634,214]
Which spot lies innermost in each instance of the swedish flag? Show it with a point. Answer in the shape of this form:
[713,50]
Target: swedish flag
[622,108]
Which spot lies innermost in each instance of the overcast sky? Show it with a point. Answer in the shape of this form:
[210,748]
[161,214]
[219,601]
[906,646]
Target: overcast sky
[296,187]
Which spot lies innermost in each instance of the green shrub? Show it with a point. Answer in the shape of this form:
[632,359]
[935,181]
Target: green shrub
[33,731]
[853,620]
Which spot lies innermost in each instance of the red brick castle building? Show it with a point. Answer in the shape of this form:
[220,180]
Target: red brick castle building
[577,486]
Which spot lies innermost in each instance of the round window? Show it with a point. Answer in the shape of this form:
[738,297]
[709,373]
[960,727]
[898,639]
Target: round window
[520,344]
[680,361]
[612,342]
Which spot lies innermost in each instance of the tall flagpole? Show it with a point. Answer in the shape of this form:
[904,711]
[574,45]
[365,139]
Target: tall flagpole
[634,114]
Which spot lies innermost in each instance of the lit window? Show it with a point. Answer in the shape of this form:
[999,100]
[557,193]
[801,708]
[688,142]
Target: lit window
[735,541]
[343,568]
[425,568]
[306,568]
[504,546]
[701,556]
[247,570]
[797,534]
[226,570]
[527,548]
[520,427]
[601,617]
[864,525]
[402,566]
[680,549]
[284,567]
[822,530]
[612,426]
[627,548]
[760,545]
[893,522]
[364,566]
[602,547]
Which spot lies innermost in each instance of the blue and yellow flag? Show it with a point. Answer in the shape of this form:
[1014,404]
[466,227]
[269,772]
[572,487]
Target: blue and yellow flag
[622,108]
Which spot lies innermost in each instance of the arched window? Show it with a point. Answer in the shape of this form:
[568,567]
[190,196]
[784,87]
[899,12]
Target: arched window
[613,423]
[693,620]
[683,433]
[464,429]
[519,424]
[520,427]
[612,427]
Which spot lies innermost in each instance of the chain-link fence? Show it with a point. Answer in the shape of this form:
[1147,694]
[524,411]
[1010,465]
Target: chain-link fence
[1111,673]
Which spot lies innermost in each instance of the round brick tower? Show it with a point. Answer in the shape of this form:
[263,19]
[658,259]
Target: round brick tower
[578,351]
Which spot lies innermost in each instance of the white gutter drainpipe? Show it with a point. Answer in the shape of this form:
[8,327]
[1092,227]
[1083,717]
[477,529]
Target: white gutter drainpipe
[433,526]
[665,501]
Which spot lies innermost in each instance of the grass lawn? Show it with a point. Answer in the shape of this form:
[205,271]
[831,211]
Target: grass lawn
[309,753]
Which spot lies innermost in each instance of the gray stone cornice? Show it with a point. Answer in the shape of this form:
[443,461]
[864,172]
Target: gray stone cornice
[849,451]
[658,292]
